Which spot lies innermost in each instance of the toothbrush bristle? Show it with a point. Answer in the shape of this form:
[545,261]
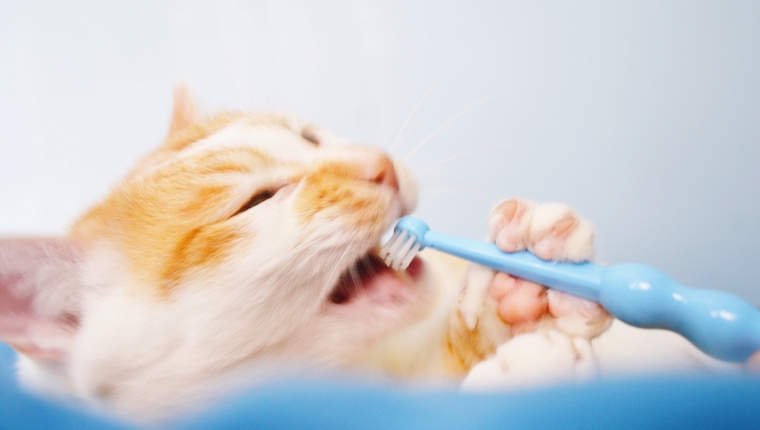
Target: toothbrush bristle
[399,251]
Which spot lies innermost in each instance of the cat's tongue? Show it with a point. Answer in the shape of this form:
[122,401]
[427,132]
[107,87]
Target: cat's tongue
[371,280]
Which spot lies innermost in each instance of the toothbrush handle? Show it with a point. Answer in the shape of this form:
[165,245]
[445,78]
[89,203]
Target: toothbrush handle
[720,324]
[579,279]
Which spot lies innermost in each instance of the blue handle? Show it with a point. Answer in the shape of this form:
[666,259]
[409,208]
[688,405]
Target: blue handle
[720,324]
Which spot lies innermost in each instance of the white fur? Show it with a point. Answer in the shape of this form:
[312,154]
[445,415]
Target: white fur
[533,359]
[265,310]
[551,356]
[264,305]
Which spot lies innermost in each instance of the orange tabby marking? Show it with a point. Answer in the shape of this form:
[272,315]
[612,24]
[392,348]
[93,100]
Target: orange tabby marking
[337,185]
[464,347]
[174,219]
[181,138]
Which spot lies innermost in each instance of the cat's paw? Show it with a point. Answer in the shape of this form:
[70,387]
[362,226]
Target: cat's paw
[551,231]
[534,359]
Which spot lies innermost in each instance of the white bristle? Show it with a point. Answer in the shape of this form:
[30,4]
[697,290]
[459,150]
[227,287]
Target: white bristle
[399,251]
[388,252]
[410,255]
[384,249]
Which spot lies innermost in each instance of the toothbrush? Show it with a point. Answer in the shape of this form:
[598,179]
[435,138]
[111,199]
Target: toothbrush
[720,324]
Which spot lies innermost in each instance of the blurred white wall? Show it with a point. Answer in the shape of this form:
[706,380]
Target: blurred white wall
[644,115]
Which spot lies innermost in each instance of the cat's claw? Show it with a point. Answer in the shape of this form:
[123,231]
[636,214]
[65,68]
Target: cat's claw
[474,293]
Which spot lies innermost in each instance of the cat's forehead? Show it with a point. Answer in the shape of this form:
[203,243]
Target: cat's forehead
[278,136]
[278,140]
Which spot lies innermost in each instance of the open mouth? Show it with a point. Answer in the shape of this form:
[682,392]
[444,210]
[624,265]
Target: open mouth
[370,278]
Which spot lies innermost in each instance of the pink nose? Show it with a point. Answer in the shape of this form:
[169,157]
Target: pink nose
[384,173]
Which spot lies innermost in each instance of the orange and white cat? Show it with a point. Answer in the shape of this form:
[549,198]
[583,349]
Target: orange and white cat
[242,249]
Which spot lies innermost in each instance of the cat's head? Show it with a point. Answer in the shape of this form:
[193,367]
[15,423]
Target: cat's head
[244,239]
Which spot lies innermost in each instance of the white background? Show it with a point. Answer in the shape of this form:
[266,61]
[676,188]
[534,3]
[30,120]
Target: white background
[644,115]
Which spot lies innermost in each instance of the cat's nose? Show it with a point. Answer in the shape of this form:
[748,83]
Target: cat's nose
[383,173]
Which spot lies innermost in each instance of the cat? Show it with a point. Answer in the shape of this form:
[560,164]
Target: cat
[244,248]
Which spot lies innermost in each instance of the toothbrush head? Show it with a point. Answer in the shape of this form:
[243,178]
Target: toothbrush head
[408,239]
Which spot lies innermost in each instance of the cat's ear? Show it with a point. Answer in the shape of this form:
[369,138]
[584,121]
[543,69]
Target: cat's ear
[39,295]
[183,112]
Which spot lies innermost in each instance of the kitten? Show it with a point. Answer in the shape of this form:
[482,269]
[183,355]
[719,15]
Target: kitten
[245,245]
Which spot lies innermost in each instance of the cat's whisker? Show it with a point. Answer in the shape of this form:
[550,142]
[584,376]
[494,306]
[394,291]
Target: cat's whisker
[427,138]
[356,279]
[471,190]
[403,139]
[368,266]
[454,157]
[307,212]
[293,255]
[397,141]
[343,259]
[302,245]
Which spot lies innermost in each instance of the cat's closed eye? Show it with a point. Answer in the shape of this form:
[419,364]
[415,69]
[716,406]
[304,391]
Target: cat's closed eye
[255,200]
[309,134]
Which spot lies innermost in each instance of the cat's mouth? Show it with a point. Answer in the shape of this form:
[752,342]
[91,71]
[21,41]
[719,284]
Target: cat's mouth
[370,279]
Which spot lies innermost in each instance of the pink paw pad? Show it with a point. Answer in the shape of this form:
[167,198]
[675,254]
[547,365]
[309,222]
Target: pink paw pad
[506,225]
[520,301]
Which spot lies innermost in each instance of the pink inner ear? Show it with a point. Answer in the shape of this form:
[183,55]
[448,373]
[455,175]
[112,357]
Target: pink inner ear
[21,325]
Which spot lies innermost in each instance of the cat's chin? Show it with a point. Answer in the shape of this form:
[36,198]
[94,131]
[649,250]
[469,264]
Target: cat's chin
[370,281]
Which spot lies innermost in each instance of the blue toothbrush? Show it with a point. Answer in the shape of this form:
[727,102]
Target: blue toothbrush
[720,324]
